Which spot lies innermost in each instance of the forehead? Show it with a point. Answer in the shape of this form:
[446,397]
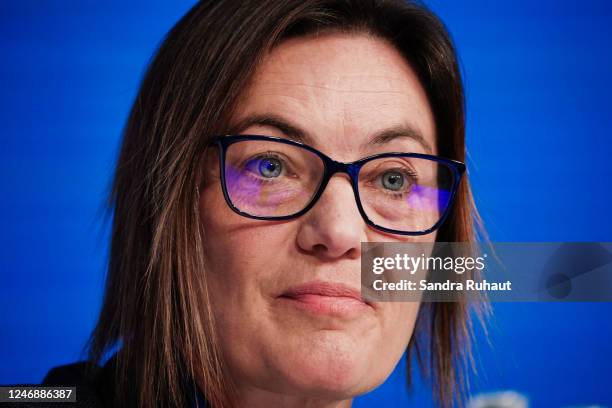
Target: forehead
[341,89]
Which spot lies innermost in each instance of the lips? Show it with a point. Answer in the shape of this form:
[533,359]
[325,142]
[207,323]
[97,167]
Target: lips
[326,298]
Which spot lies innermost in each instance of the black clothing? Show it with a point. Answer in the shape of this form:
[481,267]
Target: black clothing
[94,387]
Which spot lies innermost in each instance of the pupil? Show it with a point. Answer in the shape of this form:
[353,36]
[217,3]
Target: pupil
[393,181]
[269,168]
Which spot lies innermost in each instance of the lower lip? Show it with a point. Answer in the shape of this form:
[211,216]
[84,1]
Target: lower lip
[339,306]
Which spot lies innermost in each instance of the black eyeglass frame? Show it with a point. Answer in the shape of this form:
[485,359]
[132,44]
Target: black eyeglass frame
[331,167]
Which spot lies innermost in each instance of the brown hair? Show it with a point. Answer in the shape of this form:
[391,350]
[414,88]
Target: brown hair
[156,306]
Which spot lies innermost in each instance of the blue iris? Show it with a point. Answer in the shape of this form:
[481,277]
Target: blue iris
[393,180]
[270,167]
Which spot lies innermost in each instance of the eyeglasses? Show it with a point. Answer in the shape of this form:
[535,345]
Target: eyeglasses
[270,178]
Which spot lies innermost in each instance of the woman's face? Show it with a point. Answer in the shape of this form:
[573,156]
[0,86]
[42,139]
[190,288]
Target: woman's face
[279,341]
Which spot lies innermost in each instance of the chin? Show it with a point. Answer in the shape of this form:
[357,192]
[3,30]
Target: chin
[333,373]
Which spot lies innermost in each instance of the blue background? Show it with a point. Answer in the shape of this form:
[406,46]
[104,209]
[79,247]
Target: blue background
[538,80]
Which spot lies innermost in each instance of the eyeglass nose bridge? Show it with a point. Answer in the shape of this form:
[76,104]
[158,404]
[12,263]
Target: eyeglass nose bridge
[332,167]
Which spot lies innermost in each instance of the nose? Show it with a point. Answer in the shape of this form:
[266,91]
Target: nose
[333,228]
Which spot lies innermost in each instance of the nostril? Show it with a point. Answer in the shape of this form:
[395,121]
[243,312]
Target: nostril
[353,253]
[319,249]
[323,251]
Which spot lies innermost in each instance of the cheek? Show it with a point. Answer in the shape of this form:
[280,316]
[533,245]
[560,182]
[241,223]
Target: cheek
[234,243]
[398,319]
[240,254]
[398,322]
[396,327]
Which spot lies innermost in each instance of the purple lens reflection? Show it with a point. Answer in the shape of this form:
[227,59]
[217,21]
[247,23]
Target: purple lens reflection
[238,185]
[262,197]
[252,195]
[428,199]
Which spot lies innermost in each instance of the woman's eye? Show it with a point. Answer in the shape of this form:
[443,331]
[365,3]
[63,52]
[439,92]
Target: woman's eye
[269,167]
[393,180]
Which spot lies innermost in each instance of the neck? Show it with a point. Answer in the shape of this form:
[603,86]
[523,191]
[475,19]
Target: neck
[257,398]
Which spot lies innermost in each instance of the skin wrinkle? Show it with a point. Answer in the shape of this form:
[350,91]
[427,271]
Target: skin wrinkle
[333,89]
[279,355]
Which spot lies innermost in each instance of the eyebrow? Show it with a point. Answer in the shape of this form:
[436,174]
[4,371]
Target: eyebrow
[399,131]
[294,132]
